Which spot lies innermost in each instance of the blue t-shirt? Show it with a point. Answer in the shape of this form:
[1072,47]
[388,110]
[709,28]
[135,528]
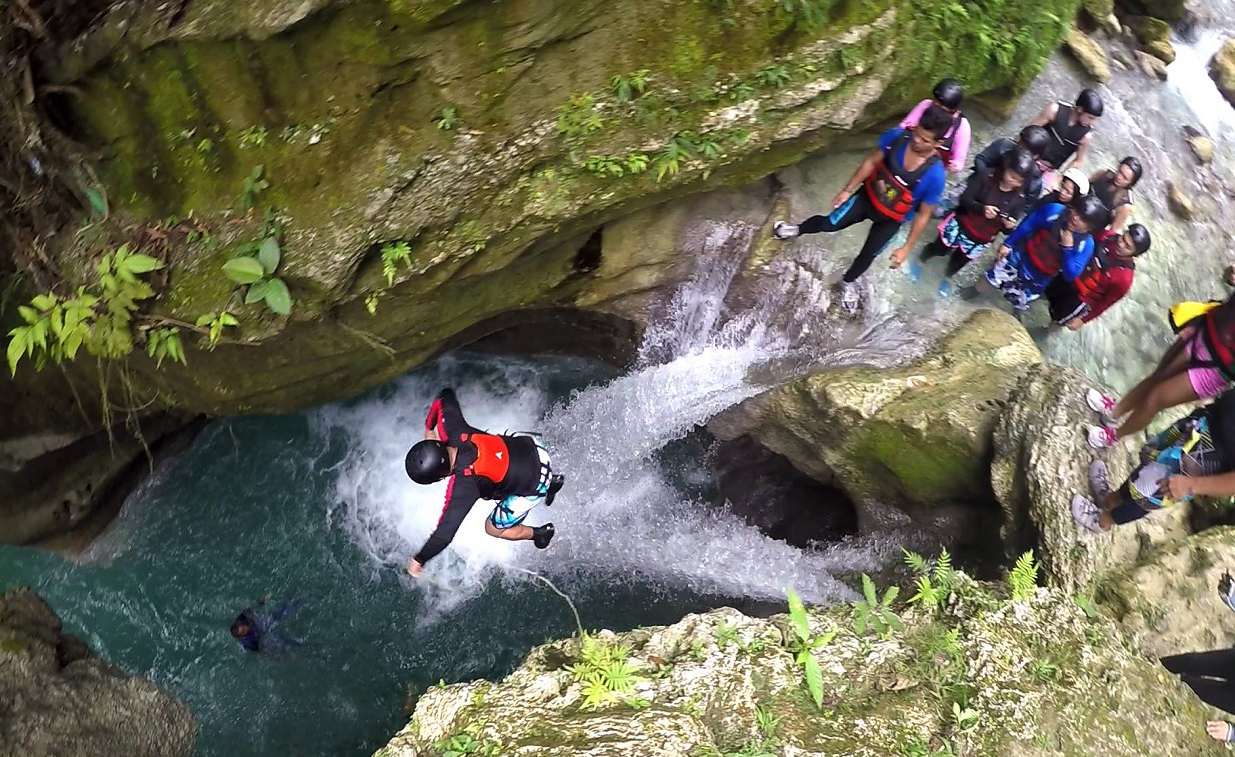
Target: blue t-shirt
[929,190]
[1075,258]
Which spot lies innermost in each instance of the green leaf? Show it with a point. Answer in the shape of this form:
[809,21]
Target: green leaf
[868,590]
[44,302]
[28,314]
[202,320]
[98,202]
[268,255]
[17,347]
[142,264]
[814,680]
[278,298]
[888,598]
[244,270]
[797,616]
[257,292]
[227,319]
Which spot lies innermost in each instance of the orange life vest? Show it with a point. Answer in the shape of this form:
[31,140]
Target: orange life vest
[890,186]
[492,457]
[1091,280]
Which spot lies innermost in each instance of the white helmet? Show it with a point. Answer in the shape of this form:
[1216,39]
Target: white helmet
[1077,177]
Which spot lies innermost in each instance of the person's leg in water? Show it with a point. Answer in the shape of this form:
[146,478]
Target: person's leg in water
[881,233]
[956,262]
[933,250]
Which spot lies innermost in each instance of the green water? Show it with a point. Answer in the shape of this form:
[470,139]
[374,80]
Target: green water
[253,508]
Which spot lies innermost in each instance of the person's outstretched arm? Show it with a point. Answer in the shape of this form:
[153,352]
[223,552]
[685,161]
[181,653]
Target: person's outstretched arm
[445,420]
[1082,149]
[461,493]
[911,118]
[1220,485]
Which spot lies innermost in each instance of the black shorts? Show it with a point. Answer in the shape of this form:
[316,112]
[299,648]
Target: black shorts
[1127,510]
[1065,303]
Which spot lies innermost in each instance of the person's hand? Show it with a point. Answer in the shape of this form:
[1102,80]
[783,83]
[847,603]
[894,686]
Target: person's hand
[1075,324]
[898,256]
[841,198]
[1009,223]
[991,211]
[1004,251]
[1180,487]
[414,568]
[1065,237]
[1218,730]
[1224,583]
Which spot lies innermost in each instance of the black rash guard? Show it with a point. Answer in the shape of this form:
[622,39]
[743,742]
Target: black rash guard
[464,488]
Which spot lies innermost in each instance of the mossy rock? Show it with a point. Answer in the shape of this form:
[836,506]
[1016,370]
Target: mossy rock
[1222,69]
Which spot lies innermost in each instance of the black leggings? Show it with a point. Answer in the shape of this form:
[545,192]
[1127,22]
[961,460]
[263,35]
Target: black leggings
[1211,675]
[937,248]
[856,209]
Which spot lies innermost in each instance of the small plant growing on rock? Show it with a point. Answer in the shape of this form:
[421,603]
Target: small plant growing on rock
[462,744]
[577,117]
[394,253]
[254,136]
[1023,580]
[627,88]
[257,271]
[726,635]
[254,185]
[875,614]
[448,120]
[803,645]
[214,323]
[774,75]
[604,670]
[935,578]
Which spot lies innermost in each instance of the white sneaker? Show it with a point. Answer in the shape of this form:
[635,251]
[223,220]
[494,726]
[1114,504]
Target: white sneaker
[1085,513]
[783,230]
[1101,437]
[1099,480]
[1103,405]
[849,297]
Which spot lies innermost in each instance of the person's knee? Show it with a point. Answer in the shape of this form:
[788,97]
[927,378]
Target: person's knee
[491,529]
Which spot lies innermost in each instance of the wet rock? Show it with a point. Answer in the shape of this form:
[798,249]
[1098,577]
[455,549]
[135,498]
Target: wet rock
[1110,24]
[1222,69]
[1121,56]
[1154,36]
[899,441]
[1169,598]
[703,679]
[1041,460]
[1150,65]
[1089,54]
[1202,148]
[1179,203]
[1168,10]
[1099,9]
[62,701]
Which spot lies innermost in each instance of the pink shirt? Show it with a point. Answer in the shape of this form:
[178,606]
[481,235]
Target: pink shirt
[960,143]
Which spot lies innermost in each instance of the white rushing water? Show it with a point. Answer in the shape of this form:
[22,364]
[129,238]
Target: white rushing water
[617,515]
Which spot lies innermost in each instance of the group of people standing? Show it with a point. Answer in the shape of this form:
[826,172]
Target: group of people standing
[1064,235]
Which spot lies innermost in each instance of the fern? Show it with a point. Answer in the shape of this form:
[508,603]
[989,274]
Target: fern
[875,614]
[605,672]
[1023,580]
[394,253]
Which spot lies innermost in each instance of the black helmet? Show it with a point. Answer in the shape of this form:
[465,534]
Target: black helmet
[1136,167]
[428,461]
[1092,211]
[1090,102]
[1035,139]
[1140,238]
[1019,161]
[949,93]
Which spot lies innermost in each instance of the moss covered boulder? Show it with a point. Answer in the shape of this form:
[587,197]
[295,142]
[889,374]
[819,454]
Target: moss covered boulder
[1169,597]
[492,138]
[986,677]
[59,700]
[1041,460]
[916,437]
[1222,69]
[1154,35]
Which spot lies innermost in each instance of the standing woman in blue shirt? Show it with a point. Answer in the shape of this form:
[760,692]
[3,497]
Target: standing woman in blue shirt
[901,181]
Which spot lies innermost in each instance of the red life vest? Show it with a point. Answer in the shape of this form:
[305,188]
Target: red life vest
[1044,248]
[1092,280]
[890,186]
[1218,331]
[492,457]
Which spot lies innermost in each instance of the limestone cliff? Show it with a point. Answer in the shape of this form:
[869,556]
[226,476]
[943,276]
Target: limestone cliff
[983,677]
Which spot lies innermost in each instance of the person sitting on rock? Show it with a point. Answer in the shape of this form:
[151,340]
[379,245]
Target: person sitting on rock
[513,470]
[903,177]
[954,147]
[1211,675]
[1052,241]
[1068,125]
[1114,189]
[1194,456]
[1106,279]
[1198,365]
[257,631]
[991,204]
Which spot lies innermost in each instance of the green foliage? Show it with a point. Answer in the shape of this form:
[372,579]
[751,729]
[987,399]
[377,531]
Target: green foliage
[463,744]
[964,718]
[1087,607]
[99,318]
[256,271]
[767,723]
[1023,580]
[934,578]
[604,670]
[774,75]
[627,88]
[578,117]
[98,203]
[1045,670]
[682,147]
[989,41]
[394,253]
[254,136]
[215,323]
[918,747]
[875,614]
[741,91]
[803,645]
[205,147]
[448,120]
[810,13]
[164,343]
[726,635]
[254,185]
